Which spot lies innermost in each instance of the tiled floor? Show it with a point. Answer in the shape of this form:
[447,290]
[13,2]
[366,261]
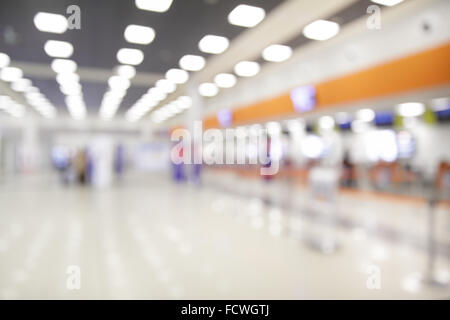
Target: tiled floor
[150,239]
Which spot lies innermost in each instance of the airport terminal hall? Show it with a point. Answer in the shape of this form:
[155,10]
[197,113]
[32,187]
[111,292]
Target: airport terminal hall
[224,150]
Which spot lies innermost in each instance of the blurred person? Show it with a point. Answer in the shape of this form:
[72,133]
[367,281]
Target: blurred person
[268,178]
[178,168]
[81,166]
[348,178]
[443,176]
[119,162]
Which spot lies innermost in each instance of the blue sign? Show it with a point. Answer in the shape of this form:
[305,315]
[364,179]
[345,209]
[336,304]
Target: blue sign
[225,117]
[303,98]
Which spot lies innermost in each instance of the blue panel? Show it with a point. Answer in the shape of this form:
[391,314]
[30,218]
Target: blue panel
[384,118]
[303,98]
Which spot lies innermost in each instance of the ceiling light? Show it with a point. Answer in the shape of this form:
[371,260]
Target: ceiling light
[246,68]
[126,71]
[208,89]
[10,74]
[146,98]
[246,16]
[64,78]
[71,89]
[184,102]
[34,96]
[213,44]
[154,5]
[58,49]
[165,85]
[21,85]
[74,100]
[116,94]
[50,22]
[410,109]
[64,66]
[177,76]
[4,60]
[366,115]
[157,94]
[192,63]
[321,30]
[32,90]
[130,56]
[277,53]
[139,34]
[388,3]
[225,80]
[118,83]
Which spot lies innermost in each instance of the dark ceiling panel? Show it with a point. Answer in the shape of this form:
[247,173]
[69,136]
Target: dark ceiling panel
[102,25]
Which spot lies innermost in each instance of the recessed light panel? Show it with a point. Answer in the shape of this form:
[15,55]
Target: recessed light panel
[154,5]
[50,22]
[139,34]
[213,44]
[246,16]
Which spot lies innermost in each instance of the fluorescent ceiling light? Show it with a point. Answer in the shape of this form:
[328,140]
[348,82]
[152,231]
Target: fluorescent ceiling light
[21,85]
[32,90]
[4,60]
[63,78]
[225,80]
[118,83]
[147,98]
[321,30]
[157,94]
[139,34]
[246,16]
[10,74]
[116,94]
[277,53]
[130,56]
[64,66]
[71,89]
[58,49]
[192,63]
[34,96]
[213,44]
[388,3]
[410,109]
[184,102]
[126,71]
[246,68]
[208,89]
[165,86]
[366,115]
[50,22]
[154,5]
[177,76]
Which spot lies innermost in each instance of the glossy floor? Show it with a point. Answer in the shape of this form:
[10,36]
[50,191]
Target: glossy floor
[148,238]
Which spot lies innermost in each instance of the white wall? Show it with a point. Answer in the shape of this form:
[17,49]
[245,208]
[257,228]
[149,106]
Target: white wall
[355,48]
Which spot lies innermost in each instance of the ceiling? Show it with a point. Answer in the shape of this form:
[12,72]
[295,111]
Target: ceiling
[103,22]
